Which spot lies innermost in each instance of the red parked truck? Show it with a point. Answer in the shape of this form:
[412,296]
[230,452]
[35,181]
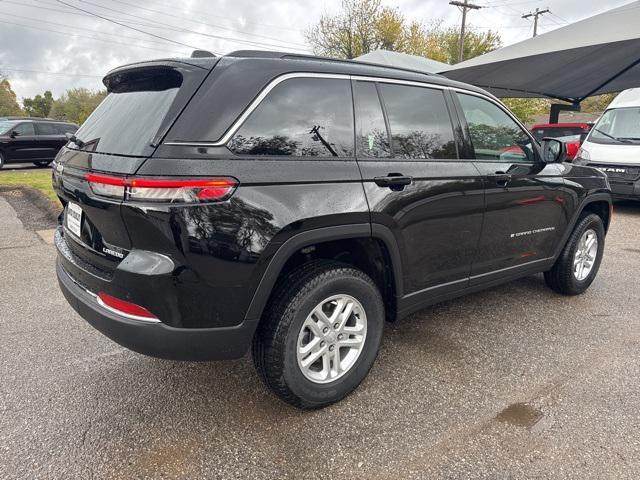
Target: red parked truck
[572,134]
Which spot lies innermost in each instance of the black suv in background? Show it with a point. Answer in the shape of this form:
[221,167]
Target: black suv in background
[296,203]
[35,140]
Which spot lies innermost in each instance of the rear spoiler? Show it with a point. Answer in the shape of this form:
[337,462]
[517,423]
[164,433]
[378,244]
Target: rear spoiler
[124,72]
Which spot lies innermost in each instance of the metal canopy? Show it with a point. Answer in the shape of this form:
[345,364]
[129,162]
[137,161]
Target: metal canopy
[402,60]
[600,54]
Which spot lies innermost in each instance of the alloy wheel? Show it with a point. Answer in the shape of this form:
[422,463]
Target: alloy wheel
[585,255]
[331,338]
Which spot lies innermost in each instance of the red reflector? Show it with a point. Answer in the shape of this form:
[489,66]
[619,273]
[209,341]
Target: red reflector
[125,307]
[209,193]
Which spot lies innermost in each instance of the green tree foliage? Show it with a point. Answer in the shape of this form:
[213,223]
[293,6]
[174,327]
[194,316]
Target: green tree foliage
[350,33]
[444,43]
[526,108]
[365,25]
[8,103]
[76,104]
[38,106]
[597,104]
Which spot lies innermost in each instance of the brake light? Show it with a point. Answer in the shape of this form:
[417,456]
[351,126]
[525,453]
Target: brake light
[124,307]
[174,190]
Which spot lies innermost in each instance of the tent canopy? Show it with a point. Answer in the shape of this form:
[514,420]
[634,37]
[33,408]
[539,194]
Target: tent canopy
[402,60]
[600,54]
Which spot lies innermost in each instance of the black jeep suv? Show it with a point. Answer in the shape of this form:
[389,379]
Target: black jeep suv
[293,204]
[34,140]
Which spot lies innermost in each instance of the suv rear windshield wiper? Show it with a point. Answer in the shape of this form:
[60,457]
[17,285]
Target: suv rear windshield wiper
[72,138]
[617,139]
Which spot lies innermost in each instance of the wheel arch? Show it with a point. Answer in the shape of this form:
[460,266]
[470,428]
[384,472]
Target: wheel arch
[599,203]
[602,208]
[358,238]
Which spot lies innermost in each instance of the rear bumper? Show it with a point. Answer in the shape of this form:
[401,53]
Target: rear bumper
[156,339]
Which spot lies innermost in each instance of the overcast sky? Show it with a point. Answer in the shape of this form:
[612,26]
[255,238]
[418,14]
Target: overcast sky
[77,49]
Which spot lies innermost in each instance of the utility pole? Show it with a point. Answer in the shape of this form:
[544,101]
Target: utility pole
[535,16]
[464,6]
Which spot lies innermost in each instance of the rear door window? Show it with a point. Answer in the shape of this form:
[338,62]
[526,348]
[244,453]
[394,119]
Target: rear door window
[372,137]
[300,117]
[25,129]
[46,129]
[419,122]
[66,128]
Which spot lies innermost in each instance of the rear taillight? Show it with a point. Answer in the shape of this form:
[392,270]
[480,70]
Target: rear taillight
[164,190]
[125,308]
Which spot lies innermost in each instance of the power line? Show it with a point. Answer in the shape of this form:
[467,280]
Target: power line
[47,72]
[159,25]
[164,25]
[75,27]
[560,18]
[67,34]
[128,26]
[173,15]
[464,6]
[535,16]
[201,11]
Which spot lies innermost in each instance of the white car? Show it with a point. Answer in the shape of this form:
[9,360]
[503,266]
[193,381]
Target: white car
[613,145]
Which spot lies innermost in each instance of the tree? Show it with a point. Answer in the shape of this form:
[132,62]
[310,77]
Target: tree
[597,104]
[526,108]
[76,104]
[38,106]
[8,103]
[350,33]
[365,25]
[443,43]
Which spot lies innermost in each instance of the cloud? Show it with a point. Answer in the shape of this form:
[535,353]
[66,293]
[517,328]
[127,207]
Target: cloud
[46,36]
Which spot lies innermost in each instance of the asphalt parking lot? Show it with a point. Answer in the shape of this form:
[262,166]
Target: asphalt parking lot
[514,382]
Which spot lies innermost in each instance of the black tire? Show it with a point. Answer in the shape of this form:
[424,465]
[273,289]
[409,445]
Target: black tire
[561,277]
[276,341]
[42,164]
[1,161]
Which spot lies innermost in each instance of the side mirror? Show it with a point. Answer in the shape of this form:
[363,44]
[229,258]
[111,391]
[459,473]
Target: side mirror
[14,134]
[553,150]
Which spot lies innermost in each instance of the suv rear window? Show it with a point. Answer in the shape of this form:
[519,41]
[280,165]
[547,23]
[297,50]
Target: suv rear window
[300,117]
[128,119]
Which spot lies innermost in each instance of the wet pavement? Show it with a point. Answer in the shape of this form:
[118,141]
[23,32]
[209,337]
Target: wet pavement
[513,382]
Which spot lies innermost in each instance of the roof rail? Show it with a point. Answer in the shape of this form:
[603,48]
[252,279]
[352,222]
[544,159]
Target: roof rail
[45,119]
[300,56]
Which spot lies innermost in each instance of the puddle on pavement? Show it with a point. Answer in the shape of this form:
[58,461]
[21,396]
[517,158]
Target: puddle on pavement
[520,415]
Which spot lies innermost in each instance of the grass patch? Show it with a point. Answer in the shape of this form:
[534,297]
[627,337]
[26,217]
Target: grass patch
[38,179]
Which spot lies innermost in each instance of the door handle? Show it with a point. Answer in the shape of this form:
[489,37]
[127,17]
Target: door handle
[501,178]
[394,181]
